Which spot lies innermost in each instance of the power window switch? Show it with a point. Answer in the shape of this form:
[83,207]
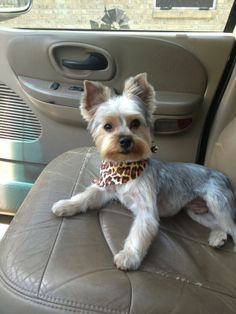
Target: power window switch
[76,88]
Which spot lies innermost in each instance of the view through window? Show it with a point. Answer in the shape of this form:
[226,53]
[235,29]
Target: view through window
[160,15]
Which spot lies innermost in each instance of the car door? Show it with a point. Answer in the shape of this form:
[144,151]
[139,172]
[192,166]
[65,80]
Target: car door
[46,55]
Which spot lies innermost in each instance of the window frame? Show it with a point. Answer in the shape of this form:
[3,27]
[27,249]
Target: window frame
[231,21]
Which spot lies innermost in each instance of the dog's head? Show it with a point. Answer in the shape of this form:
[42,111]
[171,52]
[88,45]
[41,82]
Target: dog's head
[120,125]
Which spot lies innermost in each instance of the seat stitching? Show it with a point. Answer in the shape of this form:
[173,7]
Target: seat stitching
[89,306]
[66,307]
[26,295]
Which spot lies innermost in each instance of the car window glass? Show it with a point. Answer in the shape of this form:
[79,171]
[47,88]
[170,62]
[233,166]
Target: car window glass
[162,15]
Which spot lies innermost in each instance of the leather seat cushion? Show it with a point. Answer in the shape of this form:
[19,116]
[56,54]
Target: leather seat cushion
[62,265]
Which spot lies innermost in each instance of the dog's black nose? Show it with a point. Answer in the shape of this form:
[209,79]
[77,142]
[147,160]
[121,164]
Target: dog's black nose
[126,142]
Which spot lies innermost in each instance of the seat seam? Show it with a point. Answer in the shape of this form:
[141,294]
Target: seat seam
[59,229]
[167,275]
[83,275]
[82,169]
[202,242]
[131,293]
[49,257]
[126,274]
[103,234]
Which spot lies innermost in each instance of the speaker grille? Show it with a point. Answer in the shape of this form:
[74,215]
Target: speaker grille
[17,120]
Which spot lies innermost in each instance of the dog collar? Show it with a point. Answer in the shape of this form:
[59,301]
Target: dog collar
[112,173]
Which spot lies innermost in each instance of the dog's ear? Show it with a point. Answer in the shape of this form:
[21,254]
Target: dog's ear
[139,86]
[94,94]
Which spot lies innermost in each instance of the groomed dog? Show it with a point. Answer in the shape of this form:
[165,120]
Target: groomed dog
[121,129]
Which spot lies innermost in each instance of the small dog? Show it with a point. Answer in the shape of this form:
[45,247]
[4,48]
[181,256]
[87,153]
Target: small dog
[121,129]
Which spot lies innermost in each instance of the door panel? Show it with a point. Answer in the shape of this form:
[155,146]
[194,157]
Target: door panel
[184,69]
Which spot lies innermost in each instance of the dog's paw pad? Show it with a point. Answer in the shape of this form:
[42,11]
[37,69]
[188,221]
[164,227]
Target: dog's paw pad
[127,260]
[63,208]
[217,238]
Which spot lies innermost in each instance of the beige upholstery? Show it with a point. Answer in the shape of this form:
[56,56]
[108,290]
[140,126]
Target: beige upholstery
[224,152]
[225,113]
[221,148]
[65,265]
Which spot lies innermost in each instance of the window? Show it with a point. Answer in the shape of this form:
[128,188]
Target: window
[185,4]
[182,15]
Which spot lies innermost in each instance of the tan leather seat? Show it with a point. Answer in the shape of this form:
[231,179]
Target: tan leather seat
[223,155]
[65,265]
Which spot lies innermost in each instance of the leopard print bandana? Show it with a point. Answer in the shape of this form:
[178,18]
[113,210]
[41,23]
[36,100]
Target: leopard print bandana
[112,173]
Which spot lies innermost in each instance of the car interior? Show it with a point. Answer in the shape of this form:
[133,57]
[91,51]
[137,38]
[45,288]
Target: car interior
[52,264]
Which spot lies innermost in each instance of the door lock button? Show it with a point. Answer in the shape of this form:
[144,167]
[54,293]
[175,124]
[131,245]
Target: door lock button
[54,86]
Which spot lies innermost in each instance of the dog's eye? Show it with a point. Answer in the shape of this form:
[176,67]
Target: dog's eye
[107,127]
[135,124]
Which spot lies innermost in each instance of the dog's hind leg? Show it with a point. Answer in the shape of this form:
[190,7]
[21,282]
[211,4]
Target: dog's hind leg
[221,204]
[220,201]
[217,236]
[225,222]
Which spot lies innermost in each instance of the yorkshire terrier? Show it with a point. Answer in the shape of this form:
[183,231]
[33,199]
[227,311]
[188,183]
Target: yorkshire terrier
[121,128]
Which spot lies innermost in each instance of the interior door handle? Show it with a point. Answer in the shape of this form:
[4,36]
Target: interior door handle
[95,61]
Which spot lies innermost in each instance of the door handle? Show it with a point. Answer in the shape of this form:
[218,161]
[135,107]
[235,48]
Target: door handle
[95,61]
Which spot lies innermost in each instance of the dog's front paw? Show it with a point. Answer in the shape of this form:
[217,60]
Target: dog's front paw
[64,208]
[127,260]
